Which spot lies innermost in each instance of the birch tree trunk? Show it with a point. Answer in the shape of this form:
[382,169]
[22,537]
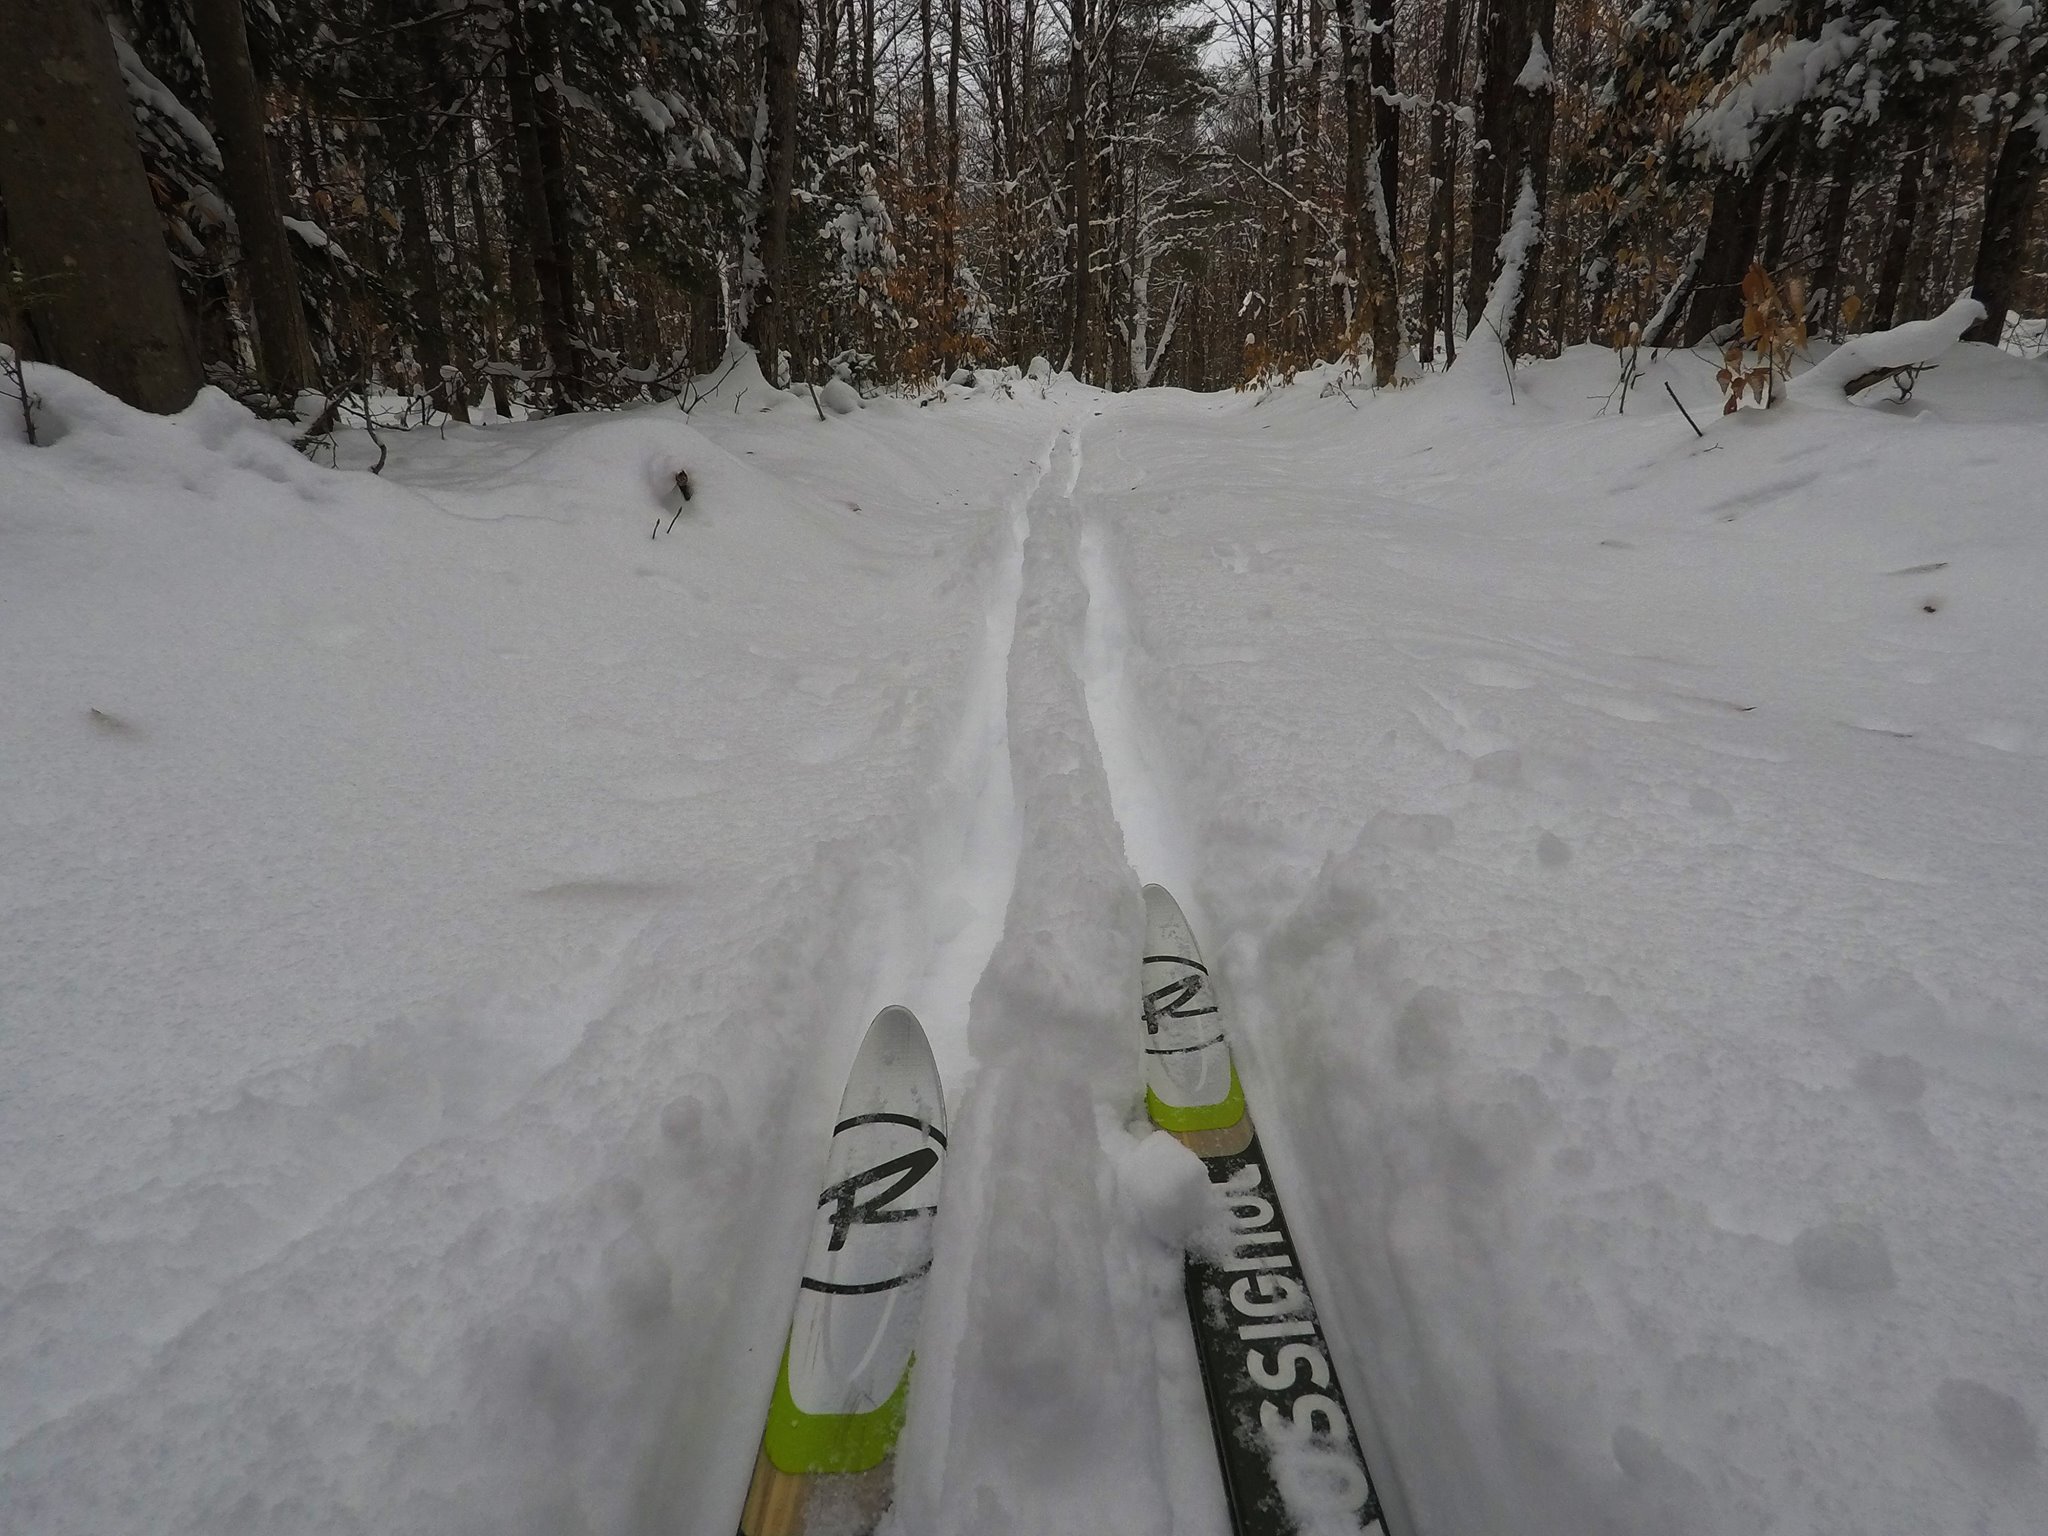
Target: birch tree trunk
[1386,193]
[1533,117]
[1440,242]
[1079,156]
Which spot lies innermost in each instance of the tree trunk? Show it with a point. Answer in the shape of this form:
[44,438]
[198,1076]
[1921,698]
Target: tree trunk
[1386,192]
[1503,44]
[1365,248]
[1825,303]
[1777,217]
[951,211]
[1929,226]
[555,286]
[2008,199]
[238,113]
[782,39]
[1440,241]
[929,85]
[553,135]
[1725,257]
[1534,115]
[1899,237]
[475,145]
[423,272]
[82,225]
[1079,155]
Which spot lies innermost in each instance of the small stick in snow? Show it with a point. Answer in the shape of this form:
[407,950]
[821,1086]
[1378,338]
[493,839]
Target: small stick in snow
[1696,432]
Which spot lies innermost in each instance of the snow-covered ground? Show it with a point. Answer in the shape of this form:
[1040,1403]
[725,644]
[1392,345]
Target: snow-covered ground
[437,912]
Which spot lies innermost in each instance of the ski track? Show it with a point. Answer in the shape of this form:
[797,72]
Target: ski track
[1057,1389]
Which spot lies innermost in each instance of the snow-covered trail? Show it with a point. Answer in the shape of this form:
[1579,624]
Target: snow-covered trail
[1054,1392]
[435,919]
[454,950]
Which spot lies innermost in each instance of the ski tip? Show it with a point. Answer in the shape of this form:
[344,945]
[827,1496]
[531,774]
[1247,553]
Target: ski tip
[1166,926]
[895,1058]
[896,1029]
[1161,907]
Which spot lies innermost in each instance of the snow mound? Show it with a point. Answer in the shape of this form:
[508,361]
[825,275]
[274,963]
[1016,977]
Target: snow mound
[1917,341]
[1167,1188]
[839,397]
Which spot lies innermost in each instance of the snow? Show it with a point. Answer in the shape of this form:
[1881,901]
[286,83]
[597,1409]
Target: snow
[840,397]
[1917,341]
[438,910]
[1730,128]
[1536,74]
[146,91]
[309,233]
[1525,229]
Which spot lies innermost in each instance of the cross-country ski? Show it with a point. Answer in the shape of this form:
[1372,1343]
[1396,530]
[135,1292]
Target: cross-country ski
[1290,1456]
[826,1464]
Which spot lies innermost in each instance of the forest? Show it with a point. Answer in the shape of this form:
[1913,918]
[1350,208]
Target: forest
[557,205]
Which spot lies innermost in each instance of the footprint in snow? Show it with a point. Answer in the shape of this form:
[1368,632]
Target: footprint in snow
[1496,674]
[1632,710]
[1573,1162]
[1593,1064]
[1891,1079]
[1849,1258]
[660,788]
[1502,768]
[2009,736]
[1409,830]
[1425,1035]
[1990,1430]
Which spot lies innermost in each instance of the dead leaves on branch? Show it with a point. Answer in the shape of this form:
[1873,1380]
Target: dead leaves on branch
[1773,329]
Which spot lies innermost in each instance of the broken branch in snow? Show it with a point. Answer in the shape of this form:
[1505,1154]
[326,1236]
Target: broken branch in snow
[1865,360]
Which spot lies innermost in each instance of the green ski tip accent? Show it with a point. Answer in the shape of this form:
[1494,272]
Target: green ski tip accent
[831,1442]
[1198,1117]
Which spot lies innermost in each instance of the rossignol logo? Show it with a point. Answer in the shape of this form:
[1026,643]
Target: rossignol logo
[1286,1365]
[881,1195]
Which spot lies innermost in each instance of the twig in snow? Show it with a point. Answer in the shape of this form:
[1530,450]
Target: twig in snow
[692,397]
[1507,364]
[1696,432]
[10,365]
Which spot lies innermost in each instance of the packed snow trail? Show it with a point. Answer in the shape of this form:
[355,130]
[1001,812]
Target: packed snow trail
[1051,1393]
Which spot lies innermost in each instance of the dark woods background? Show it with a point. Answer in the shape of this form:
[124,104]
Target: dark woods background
[574,203]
